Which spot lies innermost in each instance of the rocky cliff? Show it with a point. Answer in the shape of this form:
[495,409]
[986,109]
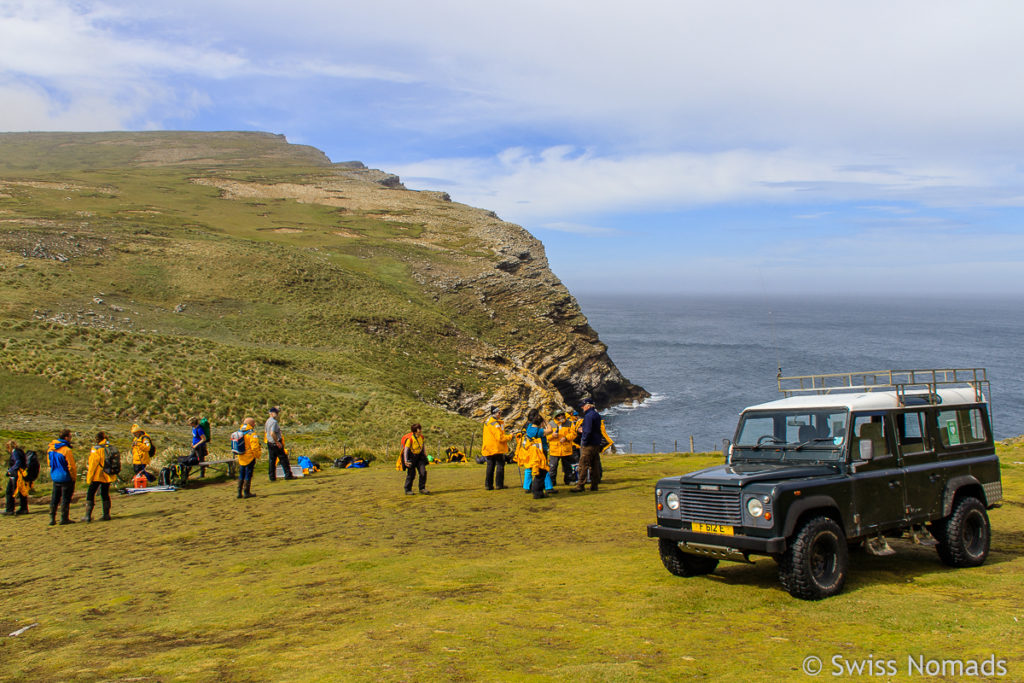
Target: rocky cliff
[318,274]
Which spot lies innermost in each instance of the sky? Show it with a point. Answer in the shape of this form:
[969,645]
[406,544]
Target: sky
[653,146]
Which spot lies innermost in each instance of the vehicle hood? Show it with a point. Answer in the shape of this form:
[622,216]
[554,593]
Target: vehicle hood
[741,474]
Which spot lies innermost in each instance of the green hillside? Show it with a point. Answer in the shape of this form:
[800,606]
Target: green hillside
[155,276]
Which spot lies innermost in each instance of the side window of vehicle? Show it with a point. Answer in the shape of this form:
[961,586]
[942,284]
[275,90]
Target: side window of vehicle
[961,427]
[869,428]
[910,431]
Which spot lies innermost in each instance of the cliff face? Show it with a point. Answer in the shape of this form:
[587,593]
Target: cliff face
[361,280]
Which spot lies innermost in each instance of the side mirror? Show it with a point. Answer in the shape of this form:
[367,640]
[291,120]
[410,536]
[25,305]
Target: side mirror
[867,450]
[727,451]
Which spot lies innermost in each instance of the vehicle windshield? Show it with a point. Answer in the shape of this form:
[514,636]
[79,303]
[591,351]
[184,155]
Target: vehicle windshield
[798,434]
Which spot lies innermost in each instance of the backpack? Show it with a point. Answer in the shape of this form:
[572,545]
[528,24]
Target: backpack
[112,460]
[238,442]
[165,476]
[152,446]
[204,424]
[31,466]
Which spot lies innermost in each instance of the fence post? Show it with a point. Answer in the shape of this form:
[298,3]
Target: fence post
[654,447]
[691,443]
[675,446]
[631,448]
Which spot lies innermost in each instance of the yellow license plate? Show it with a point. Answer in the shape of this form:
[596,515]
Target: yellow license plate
[720,529]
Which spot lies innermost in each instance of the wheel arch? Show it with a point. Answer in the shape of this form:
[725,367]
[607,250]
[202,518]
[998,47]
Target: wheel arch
[959,487]
[814,506]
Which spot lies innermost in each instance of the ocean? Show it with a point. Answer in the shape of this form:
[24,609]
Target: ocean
[705,358]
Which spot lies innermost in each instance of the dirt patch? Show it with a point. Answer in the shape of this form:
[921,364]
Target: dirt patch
[288,231]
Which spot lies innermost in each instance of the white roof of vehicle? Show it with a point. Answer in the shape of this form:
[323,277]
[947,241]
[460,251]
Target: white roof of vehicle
[866,400]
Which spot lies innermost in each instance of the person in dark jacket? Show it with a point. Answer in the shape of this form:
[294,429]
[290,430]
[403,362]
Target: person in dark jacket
[591,442]
[17,485]
[63,474]
[414,459]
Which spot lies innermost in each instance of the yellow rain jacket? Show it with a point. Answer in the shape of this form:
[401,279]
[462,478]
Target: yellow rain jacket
[495,439]
[415,446]
[530,454]
[140,447]
[253,450]
[68,455]
[95,472]
[21,487]
[606,438]
[560,443]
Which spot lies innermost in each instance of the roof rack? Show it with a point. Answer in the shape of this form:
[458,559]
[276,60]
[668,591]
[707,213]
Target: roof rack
[888,380]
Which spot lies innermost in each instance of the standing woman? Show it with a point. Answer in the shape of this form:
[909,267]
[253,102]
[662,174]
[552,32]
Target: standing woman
[17,483]
[250,452]
[414,457]
[63,474]
[97,479]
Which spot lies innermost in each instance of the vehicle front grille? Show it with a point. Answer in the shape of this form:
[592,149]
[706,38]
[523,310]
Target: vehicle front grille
[720,506]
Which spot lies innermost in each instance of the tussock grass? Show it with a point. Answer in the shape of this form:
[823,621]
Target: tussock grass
[341,577]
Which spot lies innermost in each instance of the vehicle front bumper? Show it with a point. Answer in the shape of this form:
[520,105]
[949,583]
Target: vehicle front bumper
[744,544]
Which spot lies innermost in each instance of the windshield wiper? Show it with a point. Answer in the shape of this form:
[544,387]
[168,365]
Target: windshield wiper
[816,440]
[766,437]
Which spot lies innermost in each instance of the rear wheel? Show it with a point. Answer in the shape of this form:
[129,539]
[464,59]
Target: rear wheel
[816,562]
[684,564]
[964,537]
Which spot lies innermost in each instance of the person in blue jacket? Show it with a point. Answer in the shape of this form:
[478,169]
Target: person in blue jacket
[591,443]
[63,474]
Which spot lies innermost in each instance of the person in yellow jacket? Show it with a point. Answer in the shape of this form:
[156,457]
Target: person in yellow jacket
[494,449]
[63,473]
[414,459]
[98,479]
[560,446]
[17,481]
[142,452]
[248,457]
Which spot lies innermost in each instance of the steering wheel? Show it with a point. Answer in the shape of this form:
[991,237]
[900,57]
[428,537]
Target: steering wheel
[766,437]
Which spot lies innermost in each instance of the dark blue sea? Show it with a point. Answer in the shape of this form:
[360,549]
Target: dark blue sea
[705,358]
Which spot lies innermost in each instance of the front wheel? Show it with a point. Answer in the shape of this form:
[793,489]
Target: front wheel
[684,564]
[816,562]
[965,535]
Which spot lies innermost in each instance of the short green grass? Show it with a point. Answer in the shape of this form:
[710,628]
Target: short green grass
[339,576]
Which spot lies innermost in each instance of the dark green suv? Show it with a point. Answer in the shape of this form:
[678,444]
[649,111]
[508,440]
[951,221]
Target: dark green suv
[843,460]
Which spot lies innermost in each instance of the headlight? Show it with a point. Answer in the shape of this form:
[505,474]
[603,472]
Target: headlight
[755,507]
[672,500]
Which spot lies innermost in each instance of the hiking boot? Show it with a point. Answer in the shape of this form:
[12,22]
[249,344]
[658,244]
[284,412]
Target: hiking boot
[5,513]
[425,492]
[593,487]
[489,488]
[67,521]
[88,512]
[21,512]
[53,520]
[550,491]
[106,512]
[409,493]
[577,489]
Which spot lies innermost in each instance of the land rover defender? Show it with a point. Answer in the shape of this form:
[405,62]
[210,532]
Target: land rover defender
[843,460]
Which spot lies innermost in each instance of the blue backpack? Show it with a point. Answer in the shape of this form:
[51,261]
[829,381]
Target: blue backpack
[238,442]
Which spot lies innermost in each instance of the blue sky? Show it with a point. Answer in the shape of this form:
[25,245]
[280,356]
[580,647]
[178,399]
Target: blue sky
[661,145]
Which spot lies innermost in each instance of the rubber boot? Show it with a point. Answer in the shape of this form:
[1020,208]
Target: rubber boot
[106,511]
[88,511]
[248,484]
[239,489]
[53,514]
[65,513]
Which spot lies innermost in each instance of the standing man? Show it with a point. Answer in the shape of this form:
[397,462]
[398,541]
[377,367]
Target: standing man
[142,452]
[199,443]
[275,447]
[494,449]
[414,457]
[591,442]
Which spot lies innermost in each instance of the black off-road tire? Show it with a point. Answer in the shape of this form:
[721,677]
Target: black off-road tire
[817,560]
[684,564]
[964,537]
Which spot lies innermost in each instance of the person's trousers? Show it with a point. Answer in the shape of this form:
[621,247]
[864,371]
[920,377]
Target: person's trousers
[495,471]
[200,452]
[61,495]
[9,498]
[277,454]
[566,462]
[142,468]
[590,465]
[418,463]
[537,483]
[549,481]
[90,498]
[245,478]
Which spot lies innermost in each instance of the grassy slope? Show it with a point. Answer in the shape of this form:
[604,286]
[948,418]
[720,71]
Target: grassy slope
[330,325]
[340,577]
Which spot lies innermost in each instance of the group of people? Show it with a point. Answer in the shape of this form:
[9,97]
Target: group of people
[104,465]
[543,447]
